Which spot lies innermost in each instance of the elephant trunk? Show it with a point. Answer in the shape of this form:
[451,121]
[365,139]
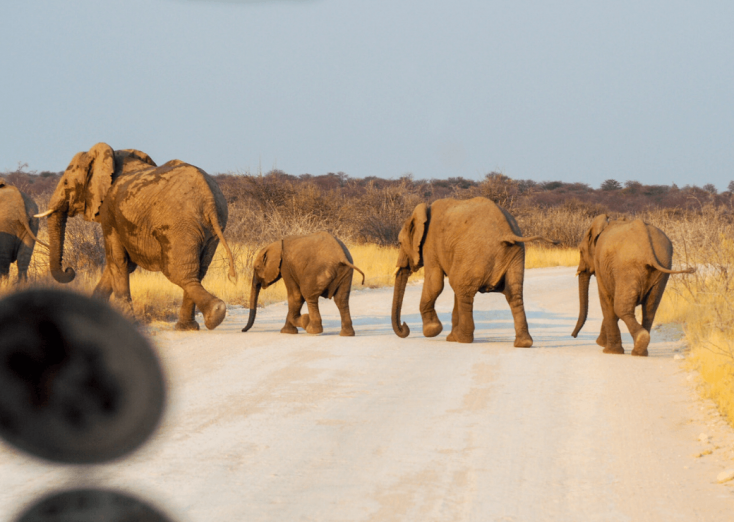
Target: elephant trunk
[56,234]
[254,294]
[584,278]
[401,279]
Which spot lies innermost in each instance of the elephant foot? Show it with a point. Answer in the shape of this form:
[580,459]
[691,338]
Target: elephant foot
[641,342]
[432,329]
[289,329]
[347,332]
[314,328]
[303,321]
[601,342]
[216,314]
[188,326]
[614,349]
[451,337]
[523,341]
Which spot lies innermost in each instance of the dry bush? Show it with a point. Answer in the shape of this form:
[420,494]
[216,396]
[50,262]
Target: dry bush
[381,212]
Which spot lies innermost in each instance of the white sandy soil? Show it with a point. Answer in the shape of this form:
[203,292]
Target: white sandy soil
[263,426]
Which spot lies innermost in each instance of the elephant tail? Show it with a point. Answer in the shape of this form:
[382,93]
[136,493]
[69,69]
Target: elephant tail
[30,233]
[218,231]
[512,239]
[657,266]
[350,265]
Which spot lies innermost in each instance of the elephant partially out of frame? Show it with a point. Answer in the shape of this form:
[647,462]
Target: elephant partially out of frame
[166,219]
[312,266]
[631,261]
[18,229]
[479,246]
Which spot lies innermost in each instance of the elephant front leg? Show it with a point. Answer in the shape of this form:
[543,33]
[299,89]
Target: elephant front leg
[432,288]
[294,319]
[103,290]
[314,325]
[186,321]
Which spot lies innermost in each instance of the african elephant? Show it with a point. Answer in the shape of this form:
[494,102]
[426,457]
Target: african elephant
[18,229]
[166,219]
[312,266]
[631,261]
[479,246]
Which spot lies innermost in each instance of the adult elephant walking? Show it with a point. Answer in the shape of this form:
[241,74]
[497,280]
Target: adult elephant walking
[18,229]
[166,219]
[631,261]
[479,246]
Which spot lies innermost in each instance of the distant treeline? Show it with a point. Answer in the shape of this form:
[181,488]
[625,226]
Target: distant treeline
[265,207]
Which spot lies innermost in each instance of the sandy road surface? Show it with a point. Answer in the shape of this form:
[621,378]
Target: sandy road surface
[270,427]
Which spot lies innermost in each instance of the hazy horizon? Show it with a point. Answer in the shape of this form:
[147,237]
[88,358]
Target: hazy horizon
[572,92]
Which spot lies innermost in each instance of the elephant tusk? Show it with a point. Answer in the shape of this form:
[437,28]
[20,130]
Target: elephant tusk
[44,214]
[396,271]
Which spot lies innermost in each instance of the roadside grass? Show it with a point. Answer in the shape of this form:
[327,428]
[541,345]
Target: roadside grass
[543,257]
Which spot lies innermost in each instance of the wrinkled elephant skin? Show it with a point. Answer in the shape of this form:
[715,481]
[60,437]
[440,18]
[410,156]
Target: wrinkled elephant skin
[479,246]
[18,229]
[312,266]
[166,219]
[631,261]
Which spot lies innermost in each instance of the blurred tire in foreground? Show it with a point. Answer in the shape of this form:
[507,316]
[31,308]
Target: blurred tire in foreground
[91,505]
[78,383]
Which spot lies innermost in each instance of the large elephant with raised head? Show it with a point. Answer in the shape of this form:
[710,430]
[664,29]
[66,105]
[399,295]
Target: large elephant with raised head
[18,229]
[479,246]
[166,219]
[631,261]
[312,266]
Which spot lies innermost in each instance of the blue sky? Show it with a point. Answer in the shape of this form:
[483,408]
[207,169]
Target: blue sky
[572,90]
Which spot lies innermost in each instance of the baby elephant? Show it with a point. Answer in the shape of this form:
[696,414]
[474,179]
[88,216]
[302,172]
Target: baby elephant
[631,261]
[312,266]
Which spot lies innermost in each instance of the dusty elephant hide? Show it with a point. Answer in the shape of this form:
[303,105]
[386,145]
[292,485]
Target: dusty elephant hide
[166,219]
[18,229]
[312,266]
[479,246]
[631,261]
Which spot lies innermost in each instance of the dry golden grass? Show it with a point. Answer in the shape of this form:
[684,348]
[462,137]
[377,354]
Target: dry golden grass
[543,257]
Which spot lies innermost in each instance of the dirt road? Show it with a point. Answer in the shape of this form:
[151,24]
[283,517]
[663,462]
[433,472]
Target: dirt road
[269,427]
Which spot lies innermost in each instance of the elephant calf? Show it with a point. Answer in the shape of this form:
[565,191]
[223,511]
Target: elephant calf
[18,229]
[312,266]
[631,261]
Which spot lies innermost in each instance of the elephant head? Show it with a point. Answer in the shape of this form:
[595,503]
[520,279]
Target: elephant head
[410,259]
[81,190]
[587,249]
[265,272]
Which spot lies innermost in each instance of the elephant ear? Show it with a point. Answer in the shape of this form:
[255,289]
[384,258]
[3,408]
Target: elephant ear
[597,227]
[99,178]
[413,230]
[272,258]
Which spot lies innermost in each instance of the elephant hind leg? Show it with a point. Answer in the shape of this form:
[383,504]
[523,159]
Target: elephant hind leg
[314,325]
[341,298]
[187,272]
[513,293]
[624,307]
[612,336]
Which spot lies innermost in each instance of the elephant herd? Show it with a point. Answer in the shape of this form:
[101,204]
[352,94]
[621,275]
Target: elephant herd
[171,219]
